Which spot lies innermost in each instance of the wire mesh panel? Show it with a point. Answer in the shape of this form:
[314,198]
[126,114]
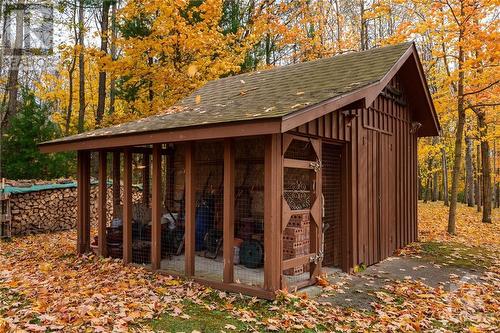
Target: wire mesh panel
[114,230]
[173,215]
[299,194]
[332,193]
[301,150]
[248,247]
[141,209]
[209,175]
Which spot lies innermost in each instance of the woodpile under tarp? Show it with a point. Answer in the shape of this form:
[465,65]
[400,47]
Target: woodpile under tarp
[52,207]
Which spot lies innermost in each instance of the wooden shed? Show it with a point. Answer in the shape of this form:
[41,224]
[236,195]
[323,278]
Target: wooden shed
[257,182]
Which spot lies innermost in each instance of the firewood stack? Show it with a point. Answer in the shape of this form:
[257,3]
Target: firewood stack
[296,242]
[54,210]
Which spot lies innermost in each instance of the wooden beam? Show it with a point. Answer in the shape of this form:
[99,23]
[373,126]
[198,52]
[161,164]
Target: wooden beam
[273,182]
[190,203]
[102,205]
[297,261]
[127,207]
[228,233]
[297,164]
[315,228]
[145,179]
[215,131]
[156,209]
[83,218]
[170,177]
[116,184]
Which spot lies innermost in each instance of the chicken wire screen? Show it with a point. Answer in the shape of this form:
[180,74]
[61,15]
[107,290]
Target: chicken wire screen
[209,180]
[173,209]
[248,249]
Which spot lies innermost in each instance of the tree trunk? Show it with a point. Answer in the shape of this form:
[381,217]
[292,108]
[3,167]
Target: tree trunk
[469,173]
[457,161]
[112,85]
[81,67]
[363,32]
[478,178]
[435,183]
[496,185]
[101,98]
[12,88]
[445,177]
[69,110]
[486,172]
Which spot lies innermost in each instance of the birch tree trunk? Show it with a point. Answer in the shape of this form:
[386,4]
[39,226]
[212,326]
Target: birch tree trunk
[12,88]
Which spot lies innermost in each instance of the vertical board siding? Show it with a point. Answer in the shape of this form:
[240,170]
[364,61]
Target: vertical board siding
[381,176]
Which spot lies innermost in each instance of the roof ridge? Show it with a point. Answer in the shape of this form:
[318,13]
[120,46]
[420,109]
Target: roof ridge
[277,68]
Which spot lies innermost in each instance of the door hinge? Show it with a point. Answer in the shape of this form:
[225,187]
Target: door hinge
[316,166]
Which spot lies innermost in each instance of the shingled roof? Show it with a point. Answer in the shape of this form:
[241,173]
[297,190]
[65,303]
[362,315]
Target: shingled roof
[274,93]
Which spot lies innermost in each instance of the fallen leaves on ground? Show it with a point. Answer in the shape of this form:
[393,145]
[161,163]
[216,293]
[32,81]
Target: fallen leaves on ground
[45,287]
[433,225]
[65,291]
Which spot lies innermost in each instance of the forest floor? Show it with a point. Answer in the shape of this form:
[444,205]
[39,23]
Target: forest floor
[442,283]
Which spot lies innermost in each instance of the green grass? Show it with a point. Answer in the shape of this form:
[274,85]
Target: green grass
[202,320]
[458,255]
[205,320]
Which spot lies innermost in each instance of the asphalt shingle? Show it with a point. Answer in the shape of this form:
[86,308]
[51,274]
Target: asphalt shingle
[267,94]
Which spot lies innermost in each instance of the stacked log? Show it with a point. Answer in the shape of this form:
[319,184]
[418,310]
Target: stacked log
[55,209]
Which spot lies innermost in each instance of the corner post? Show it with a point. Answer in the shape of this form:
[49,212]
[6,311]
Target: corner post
[127,207]
[228,233]
[190,202]
[273,183]
[102,205]
[83,221]
[116,183]
[156,209]
[145,179]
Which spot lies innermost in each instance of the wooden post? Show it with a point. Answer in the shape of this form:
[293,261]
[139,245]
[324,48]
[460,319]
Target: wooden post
[127,207]
[190,203]
[228,233]
[83,220]
[156,209]
[116,183]
[102,206]
[145,180]
[316,231]
[273,182]
[170,177]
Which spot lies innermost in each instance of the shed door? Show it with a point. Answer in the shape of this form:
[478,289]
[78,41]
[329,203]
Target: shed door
[301,210]
[386,200]
[381,196]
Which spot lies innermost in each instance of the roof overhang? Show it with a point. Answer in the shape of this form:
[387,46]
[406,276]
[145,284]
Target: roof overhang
[413,77]
[215,131]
